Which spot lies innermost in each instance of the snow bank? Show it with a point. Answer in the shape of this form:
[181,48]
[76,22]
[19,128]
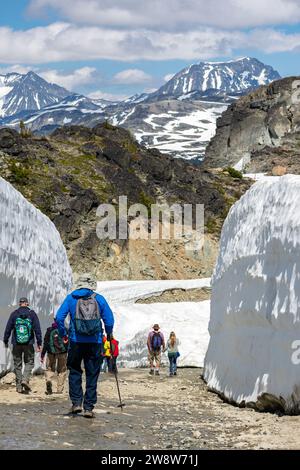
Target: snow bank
[33,260]
[255,316]
[130,291]
[189,320]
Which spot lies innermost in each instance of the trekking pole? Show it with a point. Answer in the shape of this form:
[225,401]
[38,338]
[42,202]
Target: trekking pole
[121,405]
[114,365]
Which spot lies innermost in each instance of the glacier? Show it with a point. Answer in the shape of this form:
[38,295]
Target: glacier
[33,261]
[253,353]
[133,321]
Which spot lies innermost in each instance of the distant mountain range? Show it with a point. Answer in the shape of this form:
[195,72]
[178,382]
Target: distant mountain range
[179,118]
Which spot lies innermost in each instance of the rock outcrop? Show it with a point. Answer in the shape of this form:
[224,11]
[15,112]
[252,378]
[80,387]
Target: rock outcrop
[69,174]
[256,125]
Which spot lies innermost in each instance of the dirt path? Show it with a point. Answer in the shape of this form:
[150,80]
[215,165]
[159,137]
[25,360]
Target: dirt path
[161,413]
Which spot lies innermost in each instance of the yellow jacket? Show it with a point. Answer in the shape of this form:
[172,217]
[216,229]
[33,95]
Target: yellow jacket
[106,347]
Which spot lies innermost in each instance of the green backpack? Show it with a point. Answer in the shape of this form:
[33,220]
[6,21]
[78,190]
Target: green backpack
[23,330]
[56,344]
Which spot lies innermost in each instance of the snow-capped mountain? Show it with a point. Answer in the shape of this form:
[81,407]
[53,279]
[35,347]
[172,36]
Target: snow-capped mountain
[179,118]
[73,109]
[218,78]
[23,92]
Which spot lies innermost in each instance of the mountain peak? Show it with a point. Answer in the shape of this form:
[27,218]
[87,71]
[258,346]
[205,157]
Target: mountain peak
[234,77]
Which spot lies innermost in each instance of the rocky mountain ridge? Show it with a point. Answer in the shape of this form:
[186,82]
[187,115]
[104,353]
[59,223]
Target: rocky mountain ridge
[257,126]
[69,174]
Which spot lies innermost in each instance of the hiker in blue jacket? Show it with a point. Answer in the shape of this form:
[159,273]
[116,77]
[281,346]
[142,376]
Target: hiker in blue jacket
[86,311]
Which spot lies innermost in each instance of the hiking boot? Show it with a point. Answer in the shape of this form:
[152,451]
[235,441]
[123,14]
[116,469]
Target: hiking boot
[88,414]
[151,372]
[157,372]
[175,373]
[48,388]
[76,409]
[26,387]
[19,389]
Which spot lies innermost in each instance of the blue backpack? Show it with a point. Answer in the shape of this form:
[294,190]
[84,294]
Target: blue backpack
[156,342]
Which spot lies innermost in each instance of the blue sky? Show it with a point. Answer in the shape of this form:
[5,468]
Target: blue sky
[115,48]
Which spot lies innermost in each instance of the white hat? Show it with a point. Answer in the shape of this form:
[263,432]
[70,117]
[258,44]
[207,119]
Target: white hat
[86,281]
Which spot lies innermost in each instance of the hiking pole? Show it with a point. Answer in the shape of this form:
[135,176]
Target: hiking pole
[121,405]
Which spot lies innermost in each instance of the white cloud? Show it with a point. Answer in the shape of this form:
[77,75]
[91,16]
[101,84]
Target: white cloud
[174,15]
[71,81]
[168,77]
[100,95]
[22,69]
[131,77]
[60,42]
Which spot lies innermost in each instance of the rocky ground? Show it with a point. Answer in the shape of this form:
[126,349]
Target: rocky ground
[160,413]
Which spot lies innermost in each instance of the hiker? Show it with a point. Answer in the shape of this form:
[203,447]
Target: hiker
[86,310]
[114,353]
[173,353]
[23,327]
[105,354]
[155,344]
[56,348]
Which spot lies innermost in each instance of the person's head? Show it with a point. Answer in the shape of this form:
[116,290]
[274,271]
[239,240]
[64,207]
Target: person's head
[23,302]
[172,338]
[86,281]
[156,327]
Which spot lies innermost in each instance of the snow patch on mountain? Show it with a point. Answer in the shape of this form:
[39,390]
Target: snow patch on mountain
[255,317]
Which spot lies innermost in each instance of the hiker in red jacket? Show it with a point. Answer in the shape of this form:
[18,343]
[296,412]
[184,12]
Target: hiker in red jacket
[114,350]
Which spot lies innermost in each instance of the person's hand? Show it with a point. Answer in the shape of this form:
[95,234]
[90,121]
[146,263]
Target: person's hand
[109,336]
[65,340]
[39,349]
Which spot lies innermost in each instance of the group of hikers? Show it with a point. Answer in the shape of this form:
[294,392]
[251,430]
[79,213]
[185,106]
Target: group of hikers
[84,342]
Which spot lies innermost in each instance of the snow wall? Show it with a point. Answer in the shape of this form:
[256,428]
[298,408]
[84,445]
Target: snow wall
[33,261]
[254,325]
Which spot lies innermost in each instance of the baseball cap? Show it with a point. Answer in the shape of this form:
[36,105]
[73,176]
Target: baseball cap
[23,300]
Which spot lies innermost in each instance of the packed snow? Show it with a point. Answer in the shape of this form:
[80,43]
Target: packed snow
[255,317]
[189,320]
[33,261]
[124,292]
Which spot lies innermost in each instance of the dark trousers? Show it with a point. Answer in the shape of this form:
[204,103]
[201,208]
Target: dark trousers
[173,363]
[23,352]
[90,354]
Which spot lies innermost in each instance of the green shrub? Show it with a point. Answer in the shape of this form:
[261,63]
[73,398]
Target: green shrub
[19,174]
[234,173]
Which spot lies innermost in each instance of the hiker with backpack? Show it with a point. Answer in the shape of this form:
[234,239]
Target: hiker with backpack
[173,353]
[155,344]
[86,310]
[23,327]
[56,349]
[114,353]
[105,355]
